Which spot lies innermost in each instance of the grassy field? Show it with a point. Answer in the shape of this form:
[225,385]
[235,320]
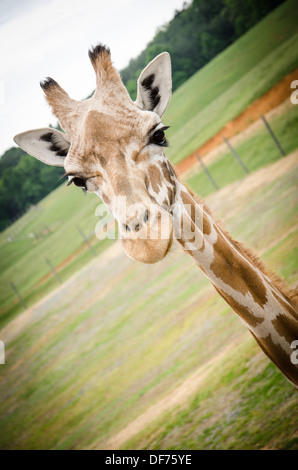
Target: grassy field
[121,337]
[225,87]
[51,231]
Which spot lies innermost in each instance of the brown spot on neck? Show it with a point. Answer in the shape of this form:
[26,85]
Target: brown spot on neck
[154,177]
[279,357]
[241,275]
[197,212]
[241,310]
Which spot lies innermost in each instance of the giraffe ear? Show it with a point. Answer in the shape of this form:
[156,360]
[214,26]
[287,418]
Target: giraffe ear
[47,145]
[155,85]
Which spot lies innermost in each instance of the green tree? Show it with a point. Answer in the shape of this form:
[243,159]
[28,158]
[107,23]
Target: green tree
[196,34]
[23,181]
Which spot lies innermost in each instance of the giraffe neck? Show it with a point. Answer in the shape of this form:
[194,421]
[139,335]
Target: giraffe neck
[268,313]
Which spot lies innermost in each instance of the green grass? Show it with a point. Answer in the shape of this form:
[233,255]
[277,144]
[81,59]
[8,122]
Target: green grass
[232,80]
[54,225]
[120,336]
[247,419]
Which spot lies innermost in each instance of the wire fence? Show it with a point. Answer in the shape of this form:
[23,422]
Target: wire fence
[236,155]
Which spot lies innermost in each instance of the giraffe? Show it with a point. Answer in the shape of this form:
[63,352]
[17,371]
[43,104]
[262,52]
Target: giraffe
[114,146]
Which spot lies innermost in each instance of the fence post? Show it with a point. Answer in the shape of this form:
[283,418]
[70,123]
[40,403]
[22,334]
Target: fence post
[18,295]
[86,241]
[274,138]
[53,270]
[239,160]
[206,171]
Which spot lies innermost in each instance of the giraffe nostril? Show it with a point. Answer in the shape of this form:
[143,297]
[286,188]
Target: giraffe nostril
[137,223]
[146,216]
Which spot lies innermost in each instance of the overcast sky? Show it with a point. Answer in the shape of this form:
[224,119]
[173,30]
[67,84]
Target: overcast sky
[40,38]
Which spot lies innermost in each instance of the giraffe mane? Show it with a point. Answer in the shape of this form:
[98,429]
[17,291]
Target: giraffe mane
[290,293]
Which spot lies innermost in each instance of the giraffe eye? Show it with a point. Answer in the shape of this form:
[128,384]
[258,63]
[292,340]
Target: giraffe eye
[80,182]
[159,138]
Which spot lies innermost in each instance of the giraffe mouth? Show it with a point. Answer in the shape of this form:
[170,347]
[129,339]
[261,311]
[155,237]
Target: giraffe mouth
[153,242]
[147,251]
[170,244]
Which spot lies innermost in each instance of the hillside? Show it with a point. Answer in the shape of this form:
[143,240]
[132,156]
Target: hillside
[229,83]
[198,32]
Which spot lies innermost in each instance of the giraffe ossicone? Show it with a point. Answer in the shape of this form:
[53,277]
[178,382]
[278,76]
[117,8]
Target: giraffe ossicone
[114,147]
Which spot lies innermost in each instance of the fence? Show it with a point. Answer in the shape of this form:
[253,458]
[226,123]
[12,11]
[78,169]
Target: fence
[238,158]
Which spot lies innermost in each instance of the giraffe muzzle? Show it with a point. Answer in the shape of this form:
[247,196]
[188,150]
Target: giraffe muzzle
[148,235]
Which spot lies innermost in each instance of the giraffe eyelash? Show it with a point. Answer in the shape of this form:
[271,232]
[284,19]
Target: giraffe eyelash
[77,181]
[159,138]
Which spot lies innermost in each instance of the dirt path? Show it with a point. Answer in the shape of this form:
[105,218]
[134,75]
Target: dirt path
[269,101]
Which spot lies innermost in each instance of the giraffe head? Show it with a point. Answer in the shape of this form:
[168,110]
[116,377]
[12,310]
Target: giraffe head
[115,147]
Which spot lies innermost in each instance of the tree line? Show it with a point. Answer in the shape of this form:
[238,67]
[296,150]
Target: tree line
[23,182]
[196,34]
